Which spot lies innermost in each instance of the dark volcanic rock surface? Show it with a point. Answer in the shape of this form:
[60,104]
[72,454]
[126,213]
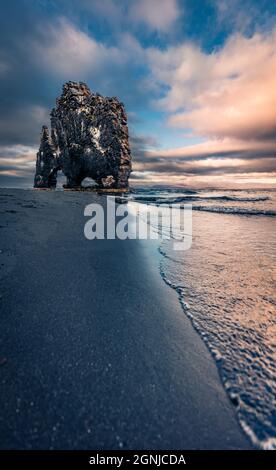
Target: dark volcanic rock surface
[89,138]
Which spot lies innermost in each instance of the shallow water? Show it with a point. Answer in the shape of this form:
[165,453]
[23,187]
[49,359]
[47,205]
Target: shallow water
[226,285]
[247,202]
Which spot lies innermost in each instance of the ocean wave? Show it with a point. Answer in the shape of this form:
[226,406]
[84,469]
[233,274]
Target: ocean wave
[164,190]
[195,198]
[200,203]
[241,199]
[235,210]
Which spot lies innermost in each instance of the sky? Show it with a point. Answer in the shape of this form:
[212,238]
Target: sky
[197,77]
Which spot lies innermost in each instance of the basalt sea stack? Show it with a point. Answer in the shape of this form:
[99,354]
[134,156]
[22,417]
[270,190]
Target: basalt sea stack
[88,138]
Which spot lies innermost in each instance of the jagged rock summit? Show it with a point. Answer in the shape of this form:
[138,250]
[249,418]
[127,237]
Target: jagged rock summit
[89,138]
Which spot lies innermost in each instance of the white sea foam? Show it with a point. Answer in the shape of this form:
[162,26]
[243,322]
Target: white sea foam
[225,286]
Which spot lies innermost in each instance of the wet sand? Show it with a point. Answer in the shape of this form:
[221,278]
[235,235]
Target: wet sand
[95,351]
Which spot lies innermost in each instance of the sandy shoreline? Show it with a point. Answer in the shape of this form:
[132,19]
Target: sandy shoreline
[98,353]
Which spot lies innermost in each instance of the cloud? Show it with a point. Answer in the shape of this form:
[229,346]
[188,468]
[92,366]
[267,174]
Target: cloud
[159,15]
[218,149]
[66,50]
[17,165]
[208,166]
[228,93]
[246,16]
[229,180]
[111,10]
[22,125]
[140,145]
[37,62]
[220,161]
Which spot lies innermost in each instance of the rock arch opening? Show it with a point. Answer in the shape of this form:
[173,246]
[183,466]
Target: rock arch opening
[88,182]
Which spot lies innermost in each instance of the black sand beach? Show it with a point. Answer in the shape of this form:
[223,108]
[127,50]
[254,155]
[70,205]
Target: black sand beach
[96,352]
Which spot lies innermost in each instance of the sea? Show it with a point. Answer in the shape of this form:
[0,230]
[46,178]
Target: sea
[226,286]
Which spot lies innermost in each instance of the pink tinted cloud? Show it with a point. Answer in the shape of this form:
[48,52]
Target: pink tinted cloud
[214,162]
[228,93]
[218,147]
